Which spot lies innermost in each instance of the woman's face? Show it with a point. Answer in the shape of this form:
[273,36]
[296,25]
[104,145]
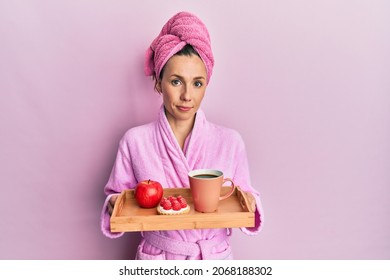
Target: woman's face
[183,86]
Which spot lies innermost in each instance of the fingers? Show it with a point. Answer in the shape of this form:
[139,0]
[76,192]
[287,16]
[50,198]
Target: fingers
[111,203]
[110,208]
[113,199]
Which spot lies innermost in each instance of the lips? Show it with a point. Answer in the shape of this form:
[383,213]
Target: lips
[184,108]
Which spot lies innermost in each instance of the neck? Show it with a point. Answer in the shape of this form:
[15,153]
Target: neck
[180,128]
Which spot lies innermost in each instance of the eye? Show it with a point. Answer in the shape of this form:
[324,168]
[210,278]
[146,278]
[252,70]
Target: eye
[198,84]
[176,82]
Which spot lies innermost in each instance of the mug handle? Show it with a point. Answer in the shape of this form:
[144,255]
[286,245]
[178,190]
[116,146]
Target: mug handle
[233,187]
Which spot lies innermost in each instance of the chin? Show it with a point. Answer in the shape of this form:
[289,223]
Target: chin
[183,116]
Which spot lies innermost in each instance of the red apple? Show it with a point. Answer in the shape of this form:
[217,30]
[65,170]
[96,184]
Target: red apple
[148,193]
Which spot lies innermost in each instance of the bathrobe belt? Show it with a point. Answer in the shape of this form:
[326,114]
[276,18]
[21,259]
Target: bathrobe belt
[186,248]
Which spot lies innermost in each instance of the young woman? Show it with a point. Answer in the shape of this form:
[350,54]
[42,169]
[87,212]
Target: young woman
[180,140]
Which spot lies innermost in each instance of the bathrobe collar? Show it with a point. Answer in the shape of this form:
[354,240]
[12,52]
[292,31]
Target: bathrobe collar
[194,150]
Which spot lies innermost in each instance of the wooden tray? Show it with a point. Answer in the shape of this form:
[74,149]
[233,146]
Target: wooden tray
[235,211]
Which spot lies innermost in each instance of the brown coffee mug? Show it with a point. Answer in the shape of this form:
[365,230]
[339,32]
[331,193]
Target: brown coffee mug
[206,185]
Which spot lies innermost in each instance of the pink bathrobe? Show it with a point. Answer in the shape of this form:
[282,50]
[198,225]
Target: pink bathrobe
[151,151]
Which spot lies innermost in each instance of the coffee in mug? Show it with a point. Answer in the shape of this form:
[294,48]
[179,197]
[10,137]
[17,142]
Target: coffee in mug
[206,185]
[205,176]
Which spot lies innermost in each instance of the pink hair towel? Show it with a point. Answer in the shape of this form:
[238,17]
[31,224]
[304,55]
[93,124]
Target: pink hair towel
[182,29]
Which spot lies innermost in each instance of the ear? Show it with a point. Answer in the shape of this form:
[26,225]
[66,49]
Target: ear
[158,86]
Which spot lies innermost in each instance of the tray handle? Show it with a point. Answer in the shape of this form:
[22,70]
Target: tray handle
[120,201]
[247,201]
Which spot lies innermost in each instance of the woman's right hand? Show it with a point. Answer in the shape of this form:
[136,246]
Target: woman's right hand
[111,203]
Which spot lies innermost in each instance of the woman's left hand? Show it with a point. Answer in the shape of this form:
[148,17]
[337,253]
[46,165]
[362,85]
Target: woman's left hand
[111,203]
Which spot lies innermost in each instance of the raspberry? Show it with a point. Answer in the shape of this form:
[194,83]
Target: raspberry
[181,199]
[167,205]
[172,198]
[183,204]
[162,201]
[176,205]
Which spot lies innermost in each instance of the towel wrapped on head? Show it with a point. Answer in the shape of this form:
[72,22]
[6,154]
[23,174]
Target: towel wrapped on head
[182,29]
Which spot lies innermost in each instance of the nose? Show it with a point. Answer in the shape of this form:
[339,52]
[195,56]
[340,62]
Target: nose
[185,94]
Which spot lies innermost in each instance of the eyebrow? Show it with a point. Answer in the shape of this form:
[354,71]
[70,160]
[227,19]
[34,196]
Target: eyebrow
[195,78]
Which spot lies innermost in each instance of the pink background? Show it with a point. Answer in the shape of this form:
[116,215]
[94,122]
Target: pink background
[306,83]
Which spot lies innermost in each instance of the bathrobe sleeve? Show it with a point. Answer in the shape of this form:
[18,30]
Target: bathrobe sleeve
[121,178]
[242,178]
